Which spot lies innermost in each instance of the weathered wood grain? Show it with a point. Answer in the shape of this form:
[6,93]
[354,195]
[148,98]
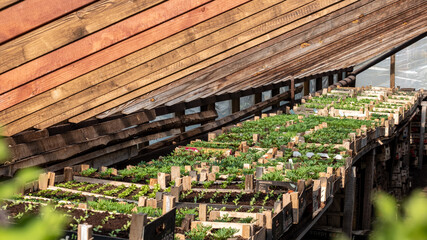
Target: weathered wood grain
[78,24]
[152,51]
[6,3]
[192,89]
[89,137]
[82,48]
[30,14]
[140,87]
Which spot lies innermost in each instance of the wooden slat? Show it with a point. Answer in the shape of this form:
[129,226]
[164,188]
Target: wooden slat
[201,44]
[294,40]
[283,57]
[6,3]
[350,41]
[78,24]
[9,170]
[140,87]
[88,138]
[30,14]
[145,54]
[82,48]
[186,88]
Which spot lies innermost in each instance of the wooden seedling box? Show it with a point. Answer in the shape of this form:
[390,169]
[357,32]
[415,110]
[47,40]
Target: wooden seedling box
[282,221]
[246,230]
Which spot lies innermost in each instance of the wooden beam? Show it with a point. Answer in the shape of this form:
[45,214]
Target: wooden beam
[350,192]
[103,133]
[30,14]
[367,190]
[52,36]
[292,90]
[268,49]
[92,44]
[141,87]
[392,71]
[149,53]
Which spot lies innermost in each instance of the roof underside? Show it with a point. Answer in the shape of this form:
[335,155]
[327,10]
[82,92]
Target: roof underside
[70,61]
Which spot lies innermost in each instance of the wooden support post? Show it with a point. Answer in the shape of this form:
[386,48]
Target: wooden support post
[84,232]
[422,131]
[275,92]
[292,89]
[306,87]
[258,99]
[392,71]
[180,114]
[68,174]
[319,83]
[367,197]
[235,104]
[186,223]
[138,222]
[350,192]
[330,79]
[339,76]
[277,207]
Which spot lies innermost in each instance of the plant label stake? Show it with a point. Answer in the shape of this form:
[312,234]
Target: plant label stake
[186,183]
[249,182]
[259,172]
[51,179]
[202,212]
[43,181]
[175,172]
[176,191]
[84,232]
[142,201]
[168,203]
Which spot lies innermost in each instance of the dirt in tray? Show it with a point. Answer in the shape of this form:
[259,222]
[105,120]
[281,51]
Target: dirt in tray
[218,186]
[219,198]
[109,222]
[59,194]
[117,178]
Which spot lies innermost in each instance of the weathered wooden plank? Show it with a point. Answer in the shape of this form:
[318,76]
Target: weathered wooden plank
[140,87]
[295,51]
[98,134]
[182,88]
[30,14]
[6,3]
[206,42]
[285,70]
[78,24]
[9,170]
[84,47]
[42,100]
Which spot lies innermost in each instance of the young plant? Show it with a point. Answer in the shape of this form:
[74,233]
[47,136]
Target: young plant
[198,233]
[224,233]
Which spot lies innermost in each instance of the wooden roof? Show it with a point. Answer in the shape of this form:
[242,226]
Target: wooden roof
[70,61]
